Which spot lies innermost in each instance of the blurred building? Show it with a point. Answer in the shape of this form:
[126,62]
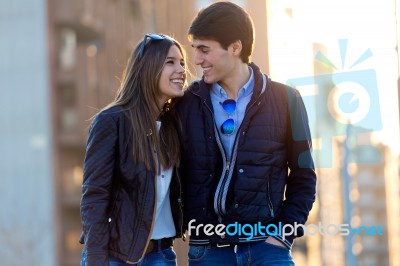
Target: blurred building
[328,157]
[357,184]
[60,64]
[363,193]
[375,196]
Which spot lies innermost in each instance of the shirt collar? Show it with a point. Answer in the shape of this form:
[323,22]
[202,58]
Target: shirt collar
[246,90]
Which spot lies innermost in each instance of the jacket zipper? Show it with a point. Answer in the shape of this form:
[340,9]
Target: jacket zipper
[152,223]
[223,184]
[222,190]
[180,204]
[154,214]
[226,167]
[176,172]
[228,177]
[229,170]
[271,208]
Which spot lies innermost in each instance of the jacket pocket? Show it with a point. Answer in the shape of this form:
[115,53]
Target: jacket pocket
[251,194]
[113,219]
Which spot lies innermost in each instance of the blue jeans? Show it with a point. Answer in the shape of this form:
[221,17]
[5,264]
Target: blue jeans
[260,254]
[165,257]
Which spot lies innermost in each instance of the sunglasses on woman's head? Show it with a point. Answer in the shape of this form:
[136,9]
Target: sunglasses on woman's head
[228,127]
[151,36]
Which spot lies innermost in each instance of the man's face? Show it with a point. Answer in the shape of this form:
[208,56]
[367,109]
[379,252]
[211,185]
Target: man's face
[217,63]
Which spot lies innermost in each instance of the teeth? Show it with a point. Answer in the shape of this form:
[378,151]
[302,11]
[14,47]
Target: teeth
[180,81]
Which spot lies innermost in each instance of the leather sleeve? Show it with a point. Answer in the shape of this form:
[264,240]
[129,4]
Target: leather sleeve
[96,189]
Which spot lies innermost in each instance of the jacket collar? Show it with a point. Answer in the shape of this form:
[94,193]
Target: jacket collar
[259,81]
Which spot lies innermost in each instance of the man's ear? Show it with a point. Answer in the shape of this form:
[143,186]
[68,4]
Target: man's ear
[236,47]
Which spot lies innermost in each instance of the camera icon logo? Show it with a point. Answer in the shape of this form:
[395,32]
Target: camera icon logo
[342,103]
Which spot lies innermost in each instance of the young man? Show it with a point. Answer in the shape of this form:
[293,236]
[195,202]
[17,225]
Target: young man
[246,150]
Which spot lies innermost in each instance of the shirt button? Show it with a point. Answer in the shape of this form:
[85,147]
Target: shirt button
[241,170]
[236,206]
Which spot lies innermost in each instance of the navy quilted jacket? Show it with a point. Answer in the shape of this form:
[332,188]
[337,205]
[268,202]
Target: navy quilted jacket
[255,186]
[118,196]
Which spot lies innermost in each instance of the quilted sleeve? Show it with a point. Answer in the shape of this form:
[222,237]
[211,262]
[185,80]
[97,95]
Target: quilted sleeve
[98,173]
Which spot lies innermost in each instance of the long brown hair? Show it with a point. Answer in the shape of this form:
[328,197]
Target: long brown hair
[138,94]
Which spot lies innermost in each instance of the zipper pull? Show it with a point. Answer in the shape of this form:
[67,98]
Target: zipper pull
[227,166]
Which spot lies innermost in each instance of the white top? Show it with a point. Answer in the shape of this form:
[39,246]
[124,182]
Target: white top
[164,223]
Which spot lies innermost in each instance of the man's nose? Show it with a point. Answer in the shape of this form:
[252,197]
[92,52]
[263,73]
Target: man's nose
[198,58]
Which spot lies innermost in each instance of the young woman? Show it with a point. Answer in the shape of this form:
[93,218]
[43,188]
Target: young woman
[131,194]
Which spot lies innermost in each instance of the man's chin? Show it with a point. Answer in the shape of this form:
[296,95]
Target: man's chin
[208,80]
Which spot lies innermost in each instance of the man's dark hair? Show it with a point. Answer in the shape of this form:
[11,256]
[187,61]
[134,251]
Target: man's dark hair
[225,22]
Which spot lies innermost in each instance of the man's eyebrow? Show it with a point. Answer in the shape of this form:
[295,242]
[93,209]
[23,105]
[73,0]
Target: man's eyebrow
[201,46]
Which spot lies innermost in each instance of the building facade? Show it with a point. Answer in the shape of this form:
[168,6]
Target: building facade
[60,64]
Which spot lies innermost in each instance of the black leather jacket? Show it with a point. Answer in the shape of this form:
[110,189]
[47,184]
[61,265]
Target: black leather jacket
[118,197]
[254,186]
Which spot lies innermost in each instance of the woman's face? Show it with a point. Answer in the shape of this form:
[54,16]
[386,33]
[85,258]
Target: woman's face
[173,76]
